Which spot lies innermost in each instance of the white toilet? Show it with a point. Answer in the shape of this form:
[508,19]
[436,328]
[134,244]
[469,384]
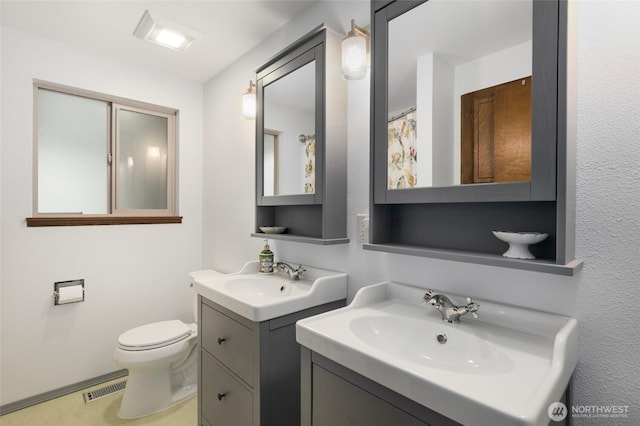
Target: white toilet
[161,359]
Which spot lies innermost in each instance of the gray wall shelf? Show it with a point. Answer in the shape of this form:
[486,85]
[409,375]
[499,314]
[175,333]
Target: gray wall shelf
[537,265]
[301,239]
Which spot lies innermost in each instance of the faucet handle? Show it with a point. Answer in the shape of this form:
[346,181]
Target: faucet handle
[427,296]
[472,307]
[300,269]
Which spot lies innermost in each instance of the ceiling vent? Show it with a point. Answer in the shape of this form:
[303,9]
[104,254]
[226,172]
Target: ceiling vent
[165,32]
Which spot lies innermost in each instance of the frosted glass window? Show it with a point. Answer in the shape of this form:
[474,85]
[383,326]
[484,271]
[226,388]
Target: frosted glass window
[142,160]
[73,141]
[103,156]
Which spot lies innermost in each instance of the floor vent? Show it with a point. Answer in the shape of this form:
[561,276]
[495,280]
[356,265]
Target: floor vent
[102,392]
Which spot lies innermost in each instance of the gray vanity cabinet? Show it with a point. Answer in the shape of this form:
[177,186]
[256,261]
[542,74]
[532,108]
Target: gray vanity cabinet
[249,373]
[334,395]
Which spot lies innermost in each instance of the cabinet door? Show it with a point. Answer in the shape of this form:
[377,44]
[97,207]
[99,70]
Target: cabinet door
[225,401]
[337,402]
[228,341]
[496,133]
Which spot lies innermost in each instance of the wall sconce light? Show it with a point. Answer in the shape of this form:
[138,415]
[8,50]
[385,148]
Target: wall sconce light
[355,53]
[305,138]
[249,102]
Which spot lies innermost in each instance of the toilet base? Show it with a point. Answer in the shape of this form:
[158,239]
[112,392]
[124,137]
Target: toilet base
[148,392]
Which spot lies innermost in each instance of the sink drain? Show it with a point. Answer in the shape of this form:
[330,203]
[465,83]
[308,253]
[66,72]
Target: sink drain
[441,338]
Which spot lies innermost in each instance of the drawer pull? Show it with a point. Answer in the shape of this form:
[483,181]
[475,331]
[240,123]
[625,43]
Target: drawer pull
[221,340]
[221,396]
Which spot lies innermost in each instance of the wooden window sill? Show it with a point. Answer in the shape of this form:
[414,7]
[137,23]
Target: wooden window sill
[99,220]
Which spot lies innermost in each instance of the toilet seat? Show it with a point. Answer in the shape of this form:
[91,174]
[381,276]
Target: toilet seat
[155,335]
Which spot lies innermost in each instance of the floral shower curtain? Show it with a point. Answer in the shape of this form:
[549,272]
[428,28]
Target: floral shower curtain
[402,155]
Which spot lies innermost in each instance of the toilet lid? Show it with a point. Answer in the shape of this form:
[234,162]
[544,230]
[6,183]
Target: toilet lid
[154,335]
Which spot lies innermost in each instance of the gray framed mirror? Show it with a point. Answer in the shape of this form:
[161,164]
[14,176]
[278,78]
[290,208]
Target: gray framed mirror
[289,133]
[301,149]
[289,123]
[464,101]
[423,214]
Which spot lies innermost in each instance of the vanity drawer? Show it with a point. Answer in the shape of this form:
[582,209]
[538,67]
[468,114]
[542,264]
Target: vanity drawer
[232,343]
[225,401]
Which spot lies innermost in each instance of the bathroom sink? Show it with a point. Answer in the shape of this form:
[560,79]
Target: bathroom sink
[260,297]
[265,286]
[417,341]
[504,368]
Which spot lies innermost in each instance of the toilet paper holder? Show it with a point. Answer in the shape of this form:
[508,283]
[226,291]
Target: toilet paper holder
[57,290]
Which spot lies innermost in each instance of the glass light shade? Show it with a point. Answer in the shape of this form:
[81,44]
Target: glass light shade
[249,106]
[354,57]
[171,39]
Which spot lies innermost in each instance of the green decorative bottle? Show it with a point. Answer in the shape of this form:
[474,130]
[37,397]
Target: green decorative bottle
[266,259]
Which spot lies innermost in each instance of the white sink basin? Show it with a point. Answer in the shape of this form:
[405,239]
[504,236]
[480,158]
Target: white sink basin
[416,341]
[265,286]
[260,297]
[504,368]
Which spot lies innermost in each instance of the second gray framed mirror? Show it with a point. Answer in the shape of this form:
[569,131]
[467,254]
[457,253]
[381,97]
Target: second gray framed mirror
[453,220]
[444,74]
[301,141]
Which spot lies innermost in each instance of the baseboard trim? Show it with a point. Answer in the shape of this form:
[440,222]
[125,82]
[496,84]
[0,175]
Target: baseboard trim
[56,393]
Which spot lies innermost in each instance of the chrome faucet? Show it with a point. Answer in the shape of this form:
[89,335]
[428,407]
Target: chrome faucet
[449,311]
[294,273]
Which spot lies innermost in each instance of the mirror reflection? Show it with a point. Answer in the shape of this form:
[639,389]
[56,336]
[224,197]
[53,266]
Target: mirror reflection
[289,133]
[459,93]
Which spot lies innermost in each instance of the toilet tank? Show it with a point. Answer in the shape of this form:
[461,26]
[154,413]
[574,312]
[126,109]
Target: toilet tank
[200,274]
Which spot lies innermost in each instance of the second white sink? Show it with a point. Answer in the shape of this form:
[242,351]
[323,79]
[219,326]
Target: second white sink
[419,342]
[504,368]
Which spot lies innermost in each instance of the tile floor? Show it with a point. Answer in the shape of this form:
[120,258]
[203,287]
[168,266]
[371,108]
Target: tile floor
[70,410]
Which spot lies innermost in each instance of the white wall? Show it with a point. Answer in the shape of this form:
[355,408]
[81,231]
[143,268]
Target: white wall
[604,297]
[496,68]
[608,203]
[133,274]
[443,119]
[425,88]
